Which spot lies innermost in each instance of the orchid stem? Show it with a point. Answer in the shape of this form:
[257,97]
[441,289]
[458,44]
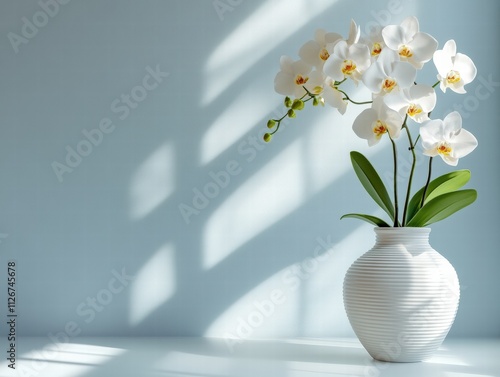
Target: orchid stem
[410,179]
[350,100]
[424,194]
[394,153]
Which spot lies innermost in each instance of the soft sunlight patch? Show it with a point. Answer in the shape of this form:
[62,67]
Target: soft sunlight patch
[326,342]
[238,118]
[64,360]
[447,359]
[187,364]
[153,182]
[251,41]
[325,273]
[153,285]
[264,199]
[269,310]
[292,301]
[325,368]
[329,143]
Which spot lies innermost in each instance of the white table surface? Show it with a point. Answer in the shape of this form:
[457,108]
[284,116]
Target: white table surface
[197,357]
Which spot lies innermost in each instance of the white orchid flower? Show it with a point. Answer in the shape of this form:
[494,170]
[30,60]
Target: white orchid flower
[317,51]
[416,102]
[375,42]
[333,97]
[412,45]
[388,73]
[347,61]
[454,70]
[447,138]
[371,124]
[293,76]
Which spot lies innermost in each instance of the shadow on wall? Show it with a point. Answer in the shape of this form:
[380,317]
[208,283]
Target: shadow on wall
[155,190]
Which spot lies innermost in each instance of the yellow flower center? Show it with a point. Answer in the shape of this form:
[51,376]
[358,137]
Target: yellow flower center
[453,77]
[444,149]
[323,54]
[376,49]
[388,84]
[405,51]
[414,109]
[348,67]
[379,128]
[301,80]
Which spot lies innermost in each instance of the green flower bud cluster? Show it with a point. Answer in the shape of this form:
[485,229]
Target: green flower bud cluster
[293,106]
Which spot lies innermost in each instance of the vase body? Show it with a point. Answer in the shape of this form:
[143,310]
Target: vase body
[401,297]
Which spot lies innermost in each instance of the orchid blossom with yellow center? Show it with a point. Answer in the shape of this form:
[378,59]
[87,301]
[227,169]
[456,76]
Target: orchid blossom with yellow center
[446,138]
[412,45]
[455,70]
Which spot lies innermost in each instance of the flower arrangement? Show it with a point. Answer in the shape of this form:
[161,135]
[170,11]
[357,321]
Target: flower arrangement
[387,62]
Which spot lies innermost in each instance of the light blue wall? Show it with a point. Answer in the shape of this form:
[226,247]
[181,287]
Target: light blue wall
[118,210]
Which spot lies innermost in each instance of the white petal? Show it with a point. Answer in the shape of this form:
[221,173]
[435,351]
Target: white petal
[284,84]
[404,73]
[394,121]
[373,77]
[379,106]
[431,133]
[301,67]
[442,85]
[354,33]
[362,125]
[315,82]
[333,68]
[309,53]
[335,99]
[449,159]
[452,124]
[421,117]
[465,66]
[374,140]
[396,101]
[424,95]
[360,54]
[463,144]
[417,64]
[341,50]
[386,59]
[443,62]
[423,47]
[299,91]
[450,47]
[410,26]
[394,36]
[458,87]
[431,151]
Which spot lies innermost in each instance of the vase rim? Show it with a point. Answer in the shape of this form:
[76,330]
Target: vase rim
[402,229]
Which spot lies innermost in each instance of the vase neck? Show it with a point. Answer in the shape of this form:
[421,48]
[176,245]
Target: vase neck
[403,235]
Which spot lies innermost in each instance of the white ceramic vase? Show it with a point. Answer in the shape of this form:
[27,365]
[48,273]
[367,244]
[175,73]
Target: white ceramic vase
[401,297]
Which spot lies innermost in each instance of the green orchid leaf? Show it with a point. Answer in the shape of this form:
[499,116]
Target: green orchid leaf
[368,218]
[371,182]
[441,185]
[442,206]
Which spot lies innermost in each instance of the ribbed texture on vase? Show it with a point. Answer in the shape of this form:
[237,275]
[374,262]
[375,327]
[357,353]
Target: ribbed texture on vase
[401,297]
